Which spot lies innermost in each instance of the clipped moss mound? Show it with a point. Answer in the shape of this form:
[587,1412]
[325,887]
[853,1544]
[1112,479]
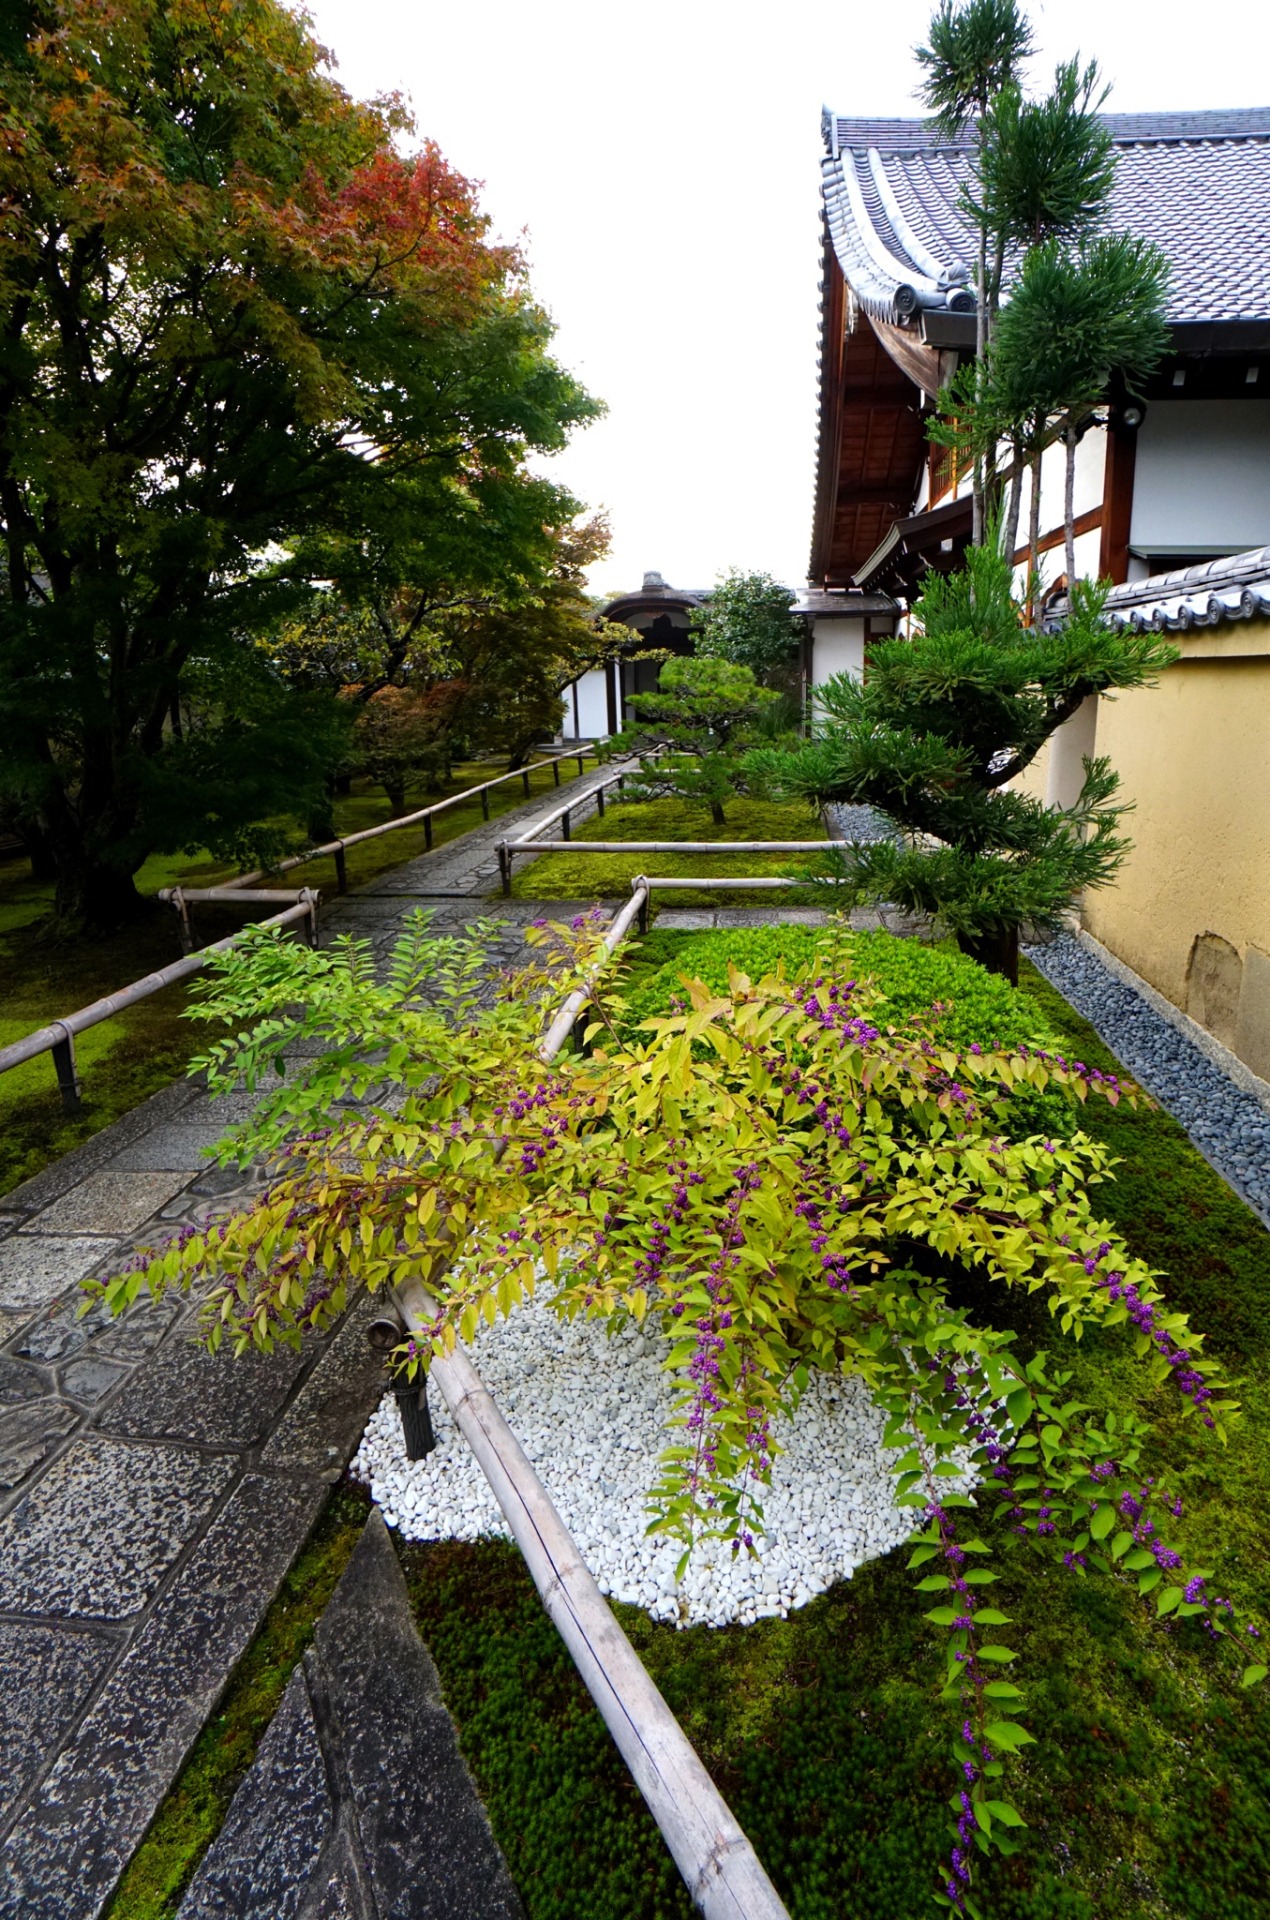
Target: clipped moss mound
[975,1006]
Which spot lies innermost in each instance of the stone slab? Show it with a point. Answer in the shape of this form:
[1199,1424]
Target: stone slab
[36,1267]
[320,1429]
[171,1149]
[19,1383]
[212,1399]
[261,1862]
[91,1377]
[96,1535]
[46,1675]
[428,1847]
[27,1437]
[66,1852]
[110,1203]
[338,1890]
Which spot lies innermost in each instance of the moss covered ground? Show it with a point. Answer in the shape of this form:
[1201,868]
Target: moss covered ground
[606,876]
[126,1059]
[1147,1795]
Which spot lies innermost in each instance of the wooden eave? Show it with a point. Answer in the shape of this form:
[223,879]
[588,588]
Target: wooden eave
[872,438]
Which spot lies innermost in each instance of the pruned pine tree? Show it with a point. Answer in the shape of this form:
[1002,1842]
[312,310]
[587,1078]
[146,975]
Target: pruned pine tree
[936,734]
[975,50]
[1079,322]
[694,727]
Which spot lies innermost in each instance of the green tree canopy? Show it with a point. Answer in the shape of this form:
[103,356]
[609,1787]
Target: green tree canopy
[934,736]
[245,331]
[747,621]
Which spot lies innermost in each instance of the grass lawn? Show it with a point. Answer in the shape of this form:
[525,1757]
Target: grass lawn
[604,876]
[124,1060]
[1147,1793]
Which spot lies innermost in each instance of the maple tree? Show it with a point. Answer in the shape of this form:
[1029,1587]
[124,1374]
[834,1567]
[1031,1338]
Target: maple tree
[494,668]
[239,320]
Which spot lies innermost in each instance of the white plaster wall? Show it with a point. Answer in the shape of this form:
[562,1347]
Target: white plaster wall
[837,646]
[593,709]
[1091,464]
[1202,477]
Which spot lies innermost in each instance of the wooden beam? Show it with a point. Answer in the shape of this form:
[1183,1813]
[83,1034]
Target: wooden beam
[1083,523]
[1117,494]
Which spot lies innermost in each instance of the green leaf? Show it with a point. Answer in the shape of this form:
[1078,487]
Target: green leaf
[979,1577]
[989,1617]
[941,1616]
[1168,1600]
[1150,1579]
[1006,1814]
[1103,1521]
[1121,1545]
[1019,1406]
[998,1654]
[1002,1690]
[934,1583]
[1253,1676]
[1005,1733]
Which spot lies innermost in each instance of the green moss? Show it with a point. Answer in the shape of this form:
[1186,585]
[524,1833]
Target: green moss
[912,978]
[601,876]
[191,1815]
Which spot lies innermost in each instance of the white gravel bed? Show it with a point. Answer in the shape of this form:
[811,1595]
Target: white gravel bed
[1230,1128]
[592,1415]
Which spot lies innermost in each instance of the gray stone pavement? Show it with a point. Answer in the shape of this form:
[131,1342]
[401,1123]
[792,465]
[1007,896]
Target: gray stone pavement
[153,1496]
[358,1803]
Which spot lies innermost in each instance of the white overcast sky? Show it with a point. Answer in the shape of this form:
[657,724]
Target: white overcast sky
[662,163]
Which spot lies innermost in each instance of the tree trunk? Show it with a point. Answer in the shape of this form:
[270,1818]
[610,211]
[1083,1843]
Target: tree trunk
[981,340]
[39,847]
[1034,537]
[396,791]
[1069,509]
[997,951]
[1014,505]
[717,814]
[91,895]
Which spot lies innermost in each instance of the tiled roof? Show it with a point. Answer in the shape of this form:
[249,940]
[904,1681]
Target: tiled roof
[1237,588]
[1196,183]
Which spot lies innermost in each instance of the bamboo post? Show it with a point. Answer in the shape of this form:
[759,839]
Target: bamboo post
[63,1052]
[719,1866]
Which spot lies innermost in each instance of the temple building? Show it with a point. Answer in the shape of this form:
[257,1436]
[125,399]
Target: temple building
[1172,505]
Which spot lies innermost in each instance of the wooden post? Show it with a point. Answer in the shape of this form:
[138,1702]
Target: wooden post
[341,872]
[427,832]
[565,827]
[555,771]
[580,767]
[525,781]
[485,801]
[505,868]
[599,801]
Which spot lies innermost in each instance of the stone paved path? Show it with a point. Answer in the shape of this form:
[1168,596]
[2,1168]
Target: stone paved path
[152,1496]
[358,1805]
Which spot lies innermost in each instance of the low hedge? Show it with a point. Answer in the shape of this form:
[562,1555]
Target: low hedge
[912,978]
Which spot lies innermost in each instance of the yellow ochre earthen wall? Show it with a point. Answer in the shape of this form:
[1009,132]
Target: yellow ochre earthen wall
[1190,909]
